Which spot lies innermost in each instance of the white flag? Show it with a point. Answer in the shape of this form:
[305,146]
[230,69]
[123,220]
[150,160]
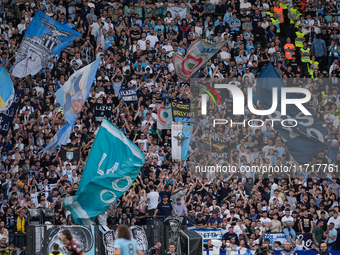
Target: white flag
[198,54]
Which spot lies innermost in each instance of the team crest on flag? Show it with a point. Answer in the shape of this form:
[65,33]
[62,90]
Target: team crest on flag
[69,155]
[180,140]
[44,39]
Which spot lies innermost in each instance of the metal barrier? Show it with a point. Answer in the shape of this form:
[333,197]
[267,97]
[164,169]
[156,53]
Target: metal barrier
[98,240]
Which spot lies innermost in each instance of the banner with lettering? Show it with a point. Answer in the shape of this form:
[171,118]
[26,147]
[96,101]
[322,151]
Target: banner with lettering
[111,168]
[208,233]
[102,111]
[183,112]
[307,240]
[219,147]
[129,95]
[277,237]
[8,112]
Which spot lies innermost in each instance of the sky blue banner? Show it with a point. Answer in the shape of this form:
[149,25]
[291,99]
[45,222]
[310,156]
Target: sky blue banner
[44,39]
[59,139]
[308,137]
[187,131]
[7,114]
[6,89]
[75,91]
[111,168]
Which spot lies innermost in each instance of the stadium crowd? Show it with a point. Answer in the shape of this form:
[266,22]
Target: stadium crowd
[137,40]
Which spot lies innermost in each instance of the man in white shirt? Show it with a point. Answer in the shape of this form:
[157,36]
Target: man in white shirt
[198,29]
[245,7]
[225,55]
[152,200]
[152,38]
[334,219]
[142,42]
[239,227]
[265,221]
[276,196]
[287,224]
[168,48]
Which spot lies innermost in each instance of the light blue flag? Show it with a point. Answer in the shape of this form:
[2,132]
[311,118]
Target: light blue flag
[59,139]
[6,89]
[180,140]
[185,148]
[44,39]
[111,168]
[75,91]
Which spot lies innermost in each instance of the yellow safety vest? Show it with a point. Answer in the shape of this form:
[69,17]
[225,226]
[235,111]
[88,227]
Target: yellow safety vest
[297,22]
[21,225]
[299,44]
[269,13]
[305,59]
[276,23]
[294,14]
[284,5]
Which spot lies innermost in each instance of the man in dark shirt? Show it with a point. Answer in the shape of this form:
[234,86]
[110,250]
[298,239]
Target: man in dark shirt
[200,222]
[214,221]
[164,208]
[306,223]
[230,234]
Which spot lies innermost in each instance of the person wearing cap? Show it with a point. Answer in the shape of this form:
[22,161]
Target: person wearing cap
[164,208]
[200,222]
[179,208]
[214,221]
[179,192]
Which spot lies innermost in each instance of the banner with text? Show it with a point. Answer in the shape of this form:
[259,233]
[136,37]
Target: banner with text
[129,95]
[219,147]
[183,112]
[102,111]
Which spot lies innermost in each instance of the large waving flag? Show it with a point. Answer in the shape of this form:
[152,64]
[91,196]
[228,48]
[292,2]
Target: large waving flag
[198,54]
[308,137]
[9,101]
[59,139]
[72,97]
[44,39]
[75,91]
[111,168]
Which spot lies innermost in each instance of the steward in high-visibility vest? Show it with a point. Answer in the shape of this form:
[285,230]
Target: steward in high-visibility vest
[55,251]
[300,37]
[270,12]
[312,66]
[276,23]
[293,13]
[298,17]
[284,4]
[289,49]
[279,12]
[305,53]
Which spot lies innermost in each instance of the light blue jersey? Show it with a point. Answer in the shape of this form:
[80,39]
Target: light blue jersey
[128,247]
